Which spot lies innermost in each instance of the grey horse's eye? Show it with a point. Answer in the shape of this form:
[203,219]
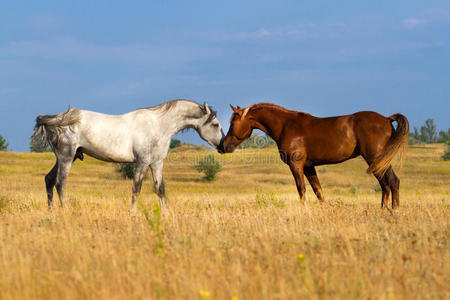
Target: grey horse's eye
[215,125]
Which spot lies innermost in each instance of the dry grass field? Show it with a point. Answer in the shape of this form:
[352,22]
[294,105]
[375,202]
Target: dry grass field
[244,236]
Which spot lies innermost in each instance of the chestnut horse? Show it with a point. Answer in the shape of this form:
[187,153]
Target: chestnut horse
[305,141]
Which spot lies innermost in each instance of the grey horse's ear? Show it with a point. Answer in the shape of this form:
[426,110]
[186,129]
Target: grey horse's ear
[202,108]
[206,108]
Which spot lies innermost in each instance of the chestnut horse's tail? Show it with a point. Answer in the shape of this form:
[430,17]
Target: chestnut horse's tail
[398,141]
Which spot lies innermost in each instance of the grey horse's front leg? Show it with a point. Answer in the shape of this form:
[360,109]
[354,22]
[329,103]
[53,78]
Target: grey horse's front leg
[61,178]
[139,174]
[157,169]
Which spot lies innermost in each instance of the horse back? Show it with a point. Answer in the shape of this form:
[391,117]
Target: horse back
[353,128]
[336,139]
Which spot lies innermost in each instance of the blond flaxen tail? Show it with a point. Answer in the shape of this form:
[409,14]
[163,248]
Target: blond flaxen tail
[397,143]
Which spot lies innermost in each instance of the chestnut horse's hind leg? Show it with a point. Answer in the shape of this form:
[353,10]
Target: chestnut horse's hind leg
[385,189]
[389,184]
[394,184]
[384,184]
[310,173]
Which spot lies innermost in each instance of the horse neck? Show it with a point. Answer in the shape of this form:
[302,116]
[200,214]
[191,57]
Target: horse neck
[178,119]
[271,121]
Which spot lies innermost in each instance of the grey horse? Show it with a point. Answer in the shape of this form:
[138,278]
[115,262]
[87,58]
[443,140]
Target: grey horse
[141,136]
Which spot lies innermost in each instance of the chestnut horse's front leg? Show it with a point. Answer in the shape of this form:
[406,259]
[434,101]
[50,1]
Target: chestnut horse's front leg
[297,171]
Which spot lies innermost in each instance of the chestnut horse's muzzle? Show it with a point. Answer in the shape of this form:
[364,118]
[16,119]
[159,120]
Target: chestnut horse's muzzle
[229,148]
[227,145]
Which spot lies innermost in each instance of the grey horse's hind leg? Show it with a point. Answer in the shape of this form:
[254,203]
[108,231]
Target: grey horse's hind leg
[139,174]
[50,181]
[157,169]
[63,171]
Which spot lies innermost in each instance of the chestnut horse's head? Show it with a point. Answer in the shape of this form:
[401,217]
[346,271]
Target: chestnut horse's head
[240,129]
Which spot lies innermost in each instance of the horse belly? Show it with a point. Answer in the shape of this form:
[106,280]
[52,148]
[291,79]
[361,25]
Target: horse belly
[107,154]
[107,142]
[332,149]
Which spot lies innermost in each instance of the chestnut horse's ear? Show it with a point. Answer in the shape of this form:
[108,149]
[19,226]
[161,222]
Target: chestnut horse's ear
[234,109]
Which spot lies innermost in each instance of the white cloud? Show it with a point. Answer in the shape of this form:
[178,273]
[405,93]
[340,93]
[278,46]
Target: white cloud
[434,15]
[255,35]
[413,23]
[292,32]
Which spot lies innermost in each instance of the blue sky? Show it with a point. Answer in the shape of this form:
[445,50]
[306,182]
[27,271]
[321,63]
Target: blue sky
[322,57]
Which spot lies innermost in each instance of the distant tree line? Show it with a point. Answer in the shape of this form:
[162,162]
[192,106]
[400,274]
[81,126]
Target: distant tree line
[175,143]
[428,134]
[40,146]
[3,144]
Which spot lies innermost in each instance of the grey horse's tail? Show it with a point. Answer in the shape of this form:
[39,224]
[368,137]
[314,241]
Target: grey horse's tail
[49,127]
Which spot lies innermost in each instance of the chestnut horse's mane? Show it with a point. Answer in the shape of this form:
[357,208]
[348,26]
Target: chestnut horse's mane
[272,106]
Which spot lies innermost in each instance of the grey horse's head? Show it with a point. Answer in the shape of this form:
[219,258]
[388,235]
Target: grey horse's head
[209,128]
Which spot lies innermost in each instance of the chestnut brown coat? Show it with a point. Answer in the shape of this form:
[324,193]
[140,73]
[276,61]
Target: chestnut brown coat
[305,141]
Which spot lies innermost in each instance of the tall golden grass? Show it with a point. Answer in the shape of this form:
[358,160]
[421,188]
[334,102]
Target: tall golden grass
[245,235]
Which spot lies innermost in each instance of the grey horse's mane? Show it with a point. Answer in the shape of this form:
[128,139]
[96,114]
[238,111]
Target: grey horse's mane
[169,105]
